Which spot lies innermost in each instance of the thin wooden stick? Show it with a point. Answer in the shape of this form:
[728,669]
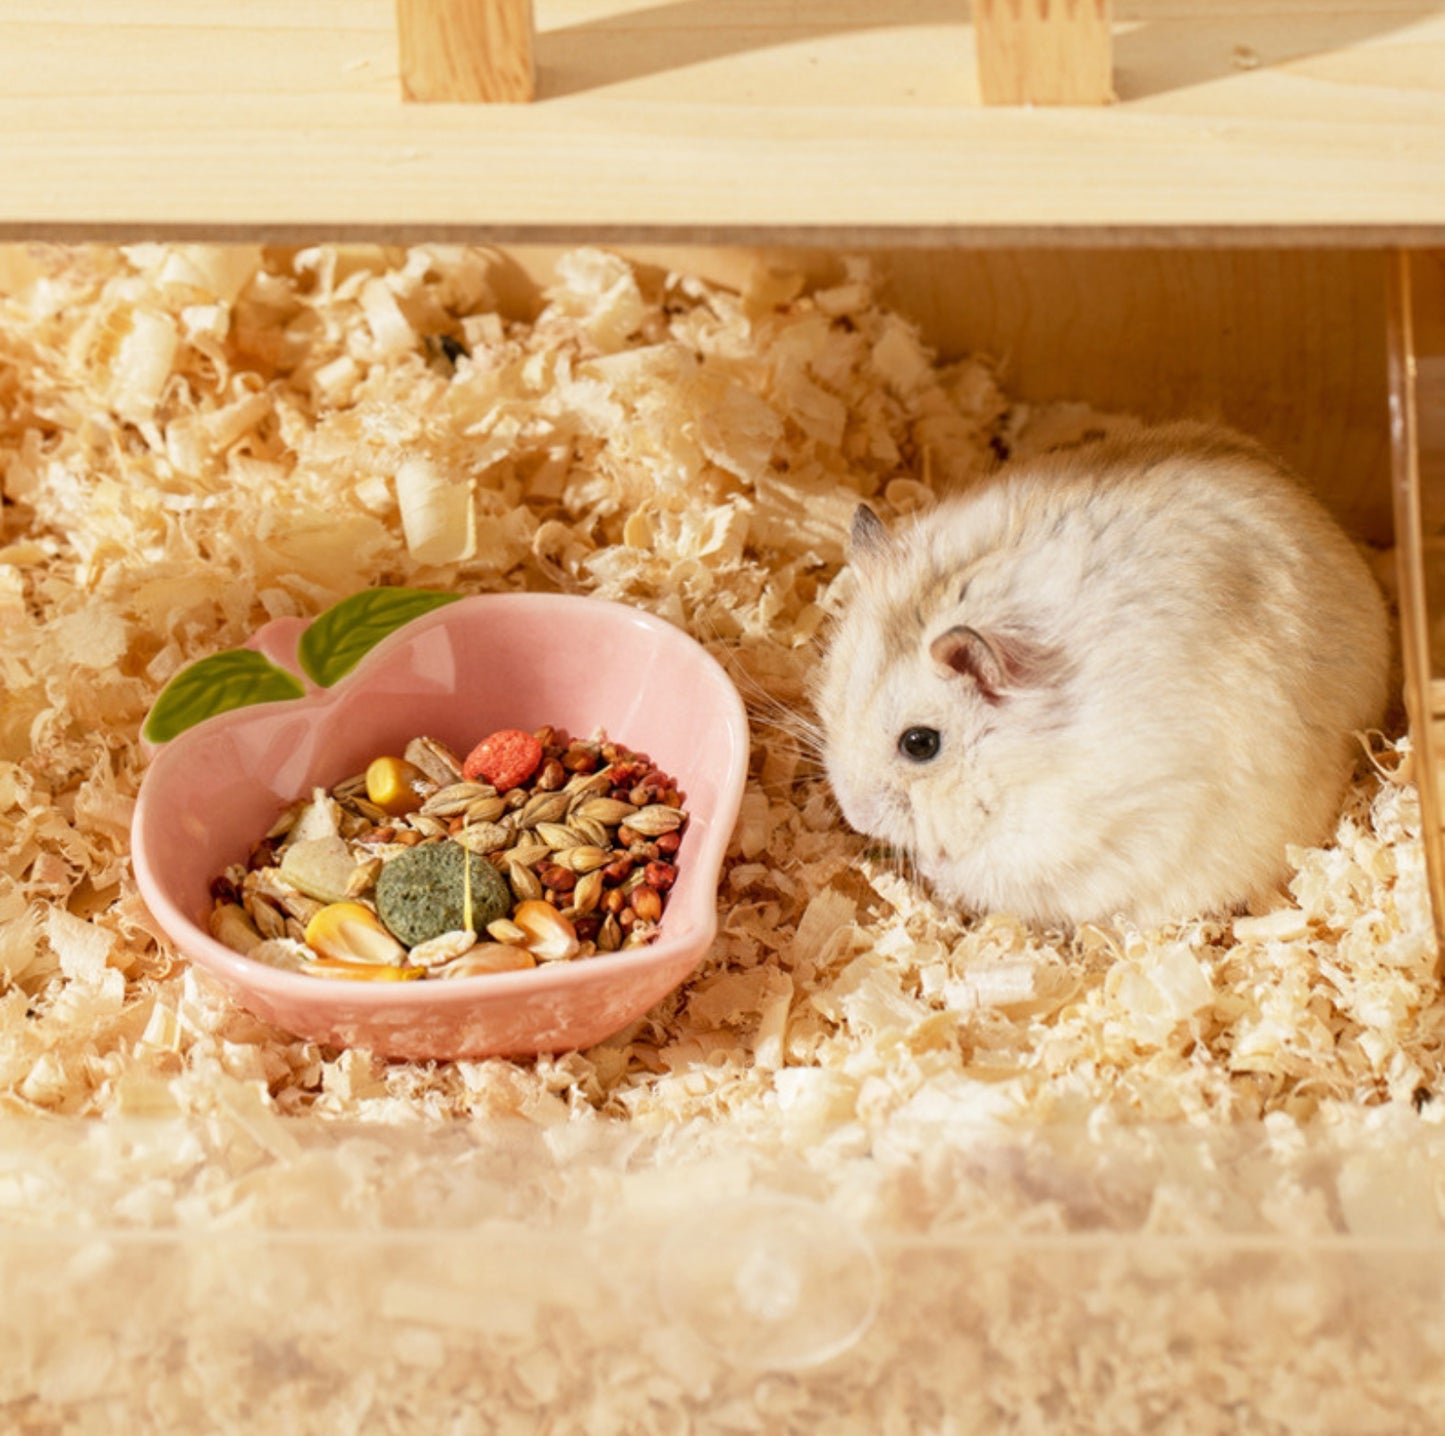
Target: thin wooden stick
[1427,723]
[466,50]
[1044,52]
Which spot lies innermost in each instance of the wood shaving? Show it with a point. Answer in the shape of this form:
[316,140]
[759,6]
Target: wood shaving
[1112,1181]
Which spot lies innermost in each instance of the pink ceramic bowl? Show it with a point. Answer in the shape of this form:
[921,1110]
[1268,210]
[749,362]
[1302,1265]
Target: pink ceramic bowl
[456,674]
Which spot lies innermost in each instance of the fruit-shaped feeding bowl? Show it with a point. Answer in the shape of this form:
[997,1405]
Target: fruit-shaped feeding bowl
[464,668]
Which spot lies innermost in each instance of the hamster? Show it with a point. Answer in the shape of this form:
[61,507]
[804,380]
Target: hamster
[1113,681]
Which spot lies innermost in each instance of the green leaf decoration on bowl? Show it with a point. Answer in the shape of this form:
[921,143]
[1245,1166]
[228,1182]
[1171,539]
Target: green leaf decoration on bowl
[230,679]
[339,638]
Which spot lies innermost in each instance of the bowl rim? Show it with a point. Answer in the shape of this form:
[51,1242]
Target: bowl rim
[196,944]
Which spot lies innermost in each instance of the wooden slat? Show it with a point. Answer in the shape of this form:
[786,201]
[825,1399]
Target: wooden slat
[1044,52]
[1417,339]
[740,120]
[465,50]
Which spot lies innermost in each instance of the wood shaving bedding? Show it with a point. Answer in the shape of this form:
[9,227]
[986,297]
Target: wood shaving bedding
[196,440]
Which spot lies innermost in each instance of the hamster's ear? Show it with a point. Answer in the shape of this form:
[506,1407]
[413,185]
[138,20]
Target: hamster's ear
[968,653]
[868,540]
[997,662]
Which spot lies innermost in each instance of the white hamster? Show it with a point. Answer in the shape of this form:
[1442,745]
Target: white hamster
[1115,680]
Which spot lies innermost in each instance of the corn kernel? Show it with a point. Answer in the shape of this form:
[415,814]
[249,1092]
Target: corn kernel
[393,785]
[351,932]
[363,971]
[549,937]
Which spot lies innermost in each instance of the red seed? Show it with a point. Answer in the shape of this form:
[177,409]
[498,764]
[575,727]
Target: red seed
[504,759]
[618,869]
[647,904]
[659,875]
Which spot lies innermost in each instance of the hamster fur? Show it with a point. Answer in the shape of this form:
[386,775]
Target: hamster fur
[1144,660]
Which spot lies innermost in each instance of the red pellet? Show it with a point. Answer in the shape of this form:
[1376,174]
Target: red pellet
[504,759]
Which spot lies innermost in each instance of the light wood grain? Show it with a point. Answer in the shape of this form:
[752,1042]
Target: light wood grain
[465,50]
[1044,52]
[827,120]
[1417,386]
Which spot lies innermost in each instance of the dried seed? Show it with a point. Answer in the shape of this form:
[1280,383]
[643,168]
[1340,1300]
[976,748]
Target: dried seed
[639,937]
[486,958]
[283,952]
[613,901]
[369,812]
[656,818]
[523,882]
[588,785]
[486,810]
[550,937]
[659,875]
[485,837]
[506,931]
[557,835]
[556,877]
[606,810]
[350,788]
[428,826]
[435,759]
[443,947]
[349,932]
[584,858]
[274,885]
[231,924]
[618,869]
[527,854]
[669,843]
[270,921]
[363,877]
[609,935]
[588,892]
[592,833]
[456,798]
[544,808]
[552,776]
[285,822]
[647,903]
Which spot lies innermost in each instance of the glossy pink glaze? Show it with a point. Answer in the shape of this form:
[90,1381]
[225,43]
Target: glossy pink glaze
[496,661]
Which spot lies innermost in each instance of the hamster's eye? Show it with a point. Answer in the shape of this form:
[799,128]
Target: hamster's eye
[918,745]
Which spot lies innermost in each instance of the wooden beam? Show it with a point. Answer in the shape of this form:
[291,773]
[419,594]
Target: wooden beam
[466,50]
[1044,52]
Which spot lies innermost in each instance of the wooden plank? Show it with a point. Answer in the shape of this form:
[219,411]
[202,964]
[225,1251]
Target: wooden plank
[1044,52]
[466,50]
[740,120]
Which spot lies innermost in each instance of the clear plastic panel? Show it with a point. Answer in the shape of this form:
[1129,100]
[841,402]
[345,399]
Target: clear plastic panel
[274,1275]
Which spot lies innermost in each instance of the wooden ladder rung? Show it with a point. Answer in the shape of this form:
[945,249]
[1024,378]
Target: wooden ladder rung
[1044,52]
[466,50]
[1030,52]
